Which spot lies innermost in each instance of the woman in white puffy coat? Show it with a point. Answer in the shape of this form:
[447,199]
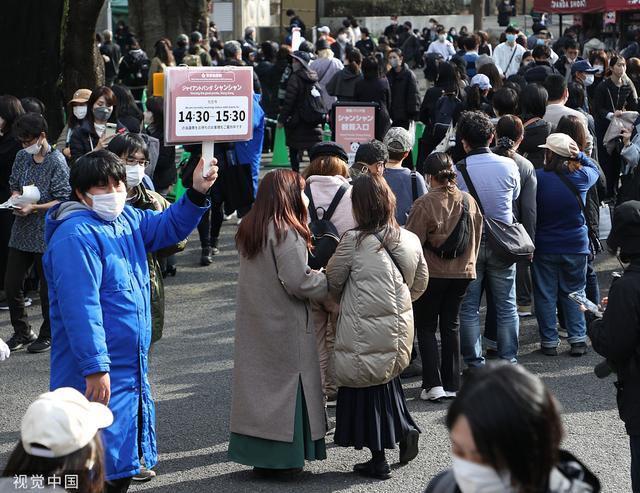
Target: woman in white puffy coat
[377,270]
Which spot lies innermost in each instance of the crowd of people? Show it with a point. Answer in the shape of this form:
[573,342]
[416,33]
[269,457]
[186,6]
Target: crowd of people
[358,264]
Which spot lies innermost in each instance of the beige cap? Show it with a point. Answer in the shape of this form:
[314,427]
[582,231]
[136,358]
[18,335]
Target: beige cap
[560,144]
[81,96]
[61,422]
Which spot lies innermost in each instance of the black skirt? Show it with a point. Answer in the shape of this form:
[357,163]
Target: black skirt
[372,417]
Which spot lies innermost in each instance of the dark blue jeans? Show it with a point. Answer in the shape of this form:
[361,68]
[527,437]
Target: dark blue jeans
[500,279]
[554,277]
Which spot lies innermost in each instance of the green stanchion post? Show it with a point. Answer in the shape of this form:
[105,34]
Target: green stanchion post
[280,151]
[416,144]
[326,132]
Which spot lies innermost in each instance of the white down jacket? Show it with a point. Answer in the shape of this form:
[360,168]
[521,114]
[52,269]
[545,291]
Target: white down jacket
[375,330]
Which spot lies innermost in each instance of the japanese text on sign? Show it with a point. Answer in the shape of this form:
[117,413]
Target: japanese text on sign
[353,126]
[208,104]
[203,116]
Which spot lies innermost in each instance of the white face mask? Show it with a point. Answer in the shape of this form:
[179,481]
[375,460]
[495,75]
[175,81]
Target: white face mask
[588,80]
[148,118]
[135,174]
[108,206]
[34,149]
[80,111]
[394,62]
[342,38]
[599,68]
[478,478]
[442,38]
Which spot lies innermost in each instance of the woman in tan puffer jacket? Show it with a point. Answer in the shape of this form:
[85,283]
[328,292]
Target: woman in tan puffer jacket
[377,271]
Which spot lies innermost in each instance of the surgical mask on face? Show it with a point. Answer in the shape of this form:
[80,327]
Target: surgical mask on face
[135,174]
[394,62]
[80,111]
[511,38]
[342,38]
[540,41]
[478,478]
[442,38]
[588,80]
[108,206]
[599,68]
[102,113]
[34,149]
[148,118]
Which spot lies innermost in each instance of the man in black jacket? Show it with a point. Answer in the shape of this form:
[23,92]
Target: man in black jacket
[110,52]
[405,99]
[616,336]
[565,62]
[541,68]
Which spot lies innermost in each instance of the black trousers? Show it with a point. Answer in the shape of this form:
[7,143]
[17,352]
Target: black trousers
[211,222]
[634,441]
[439,306]
[18,266]
[6,222]
[117,485]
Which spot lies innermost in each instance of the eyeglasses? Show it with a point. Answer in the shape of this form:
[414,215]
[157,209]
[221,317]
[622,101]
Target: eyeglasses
[133,162]
[365,166]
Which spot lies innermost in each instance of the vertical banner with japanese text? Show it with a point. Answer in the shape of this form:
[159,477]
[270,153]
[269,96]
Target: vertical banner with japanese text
[354,124]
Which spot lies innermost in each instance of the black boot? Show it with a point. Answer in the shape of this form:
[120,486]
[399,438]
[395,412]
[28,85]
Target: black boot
[409,446]
[205,257]
[377,467]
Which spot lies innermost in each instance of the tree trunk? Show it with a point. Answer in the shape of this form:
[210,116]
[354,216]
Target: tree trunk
[82,63]
[151,20]
[30,33]
[477,7]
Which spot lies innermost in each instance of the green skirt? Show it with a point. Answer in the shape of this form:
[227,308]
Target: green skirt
[271,454]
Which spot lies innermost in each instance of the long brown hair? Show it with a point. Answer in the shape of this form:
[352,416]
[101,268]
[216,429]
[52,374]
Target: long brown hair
[279,200]
[74,464]
[374,209]
[574,128]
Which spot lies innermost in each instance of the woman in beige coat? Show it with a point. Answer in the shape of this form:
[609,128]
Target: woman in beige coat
[377,271]
[277,410]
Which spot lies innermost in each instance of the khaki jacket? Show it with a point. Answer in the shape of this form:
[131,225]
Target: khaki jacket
[275,341]
[433,217]
[374,335]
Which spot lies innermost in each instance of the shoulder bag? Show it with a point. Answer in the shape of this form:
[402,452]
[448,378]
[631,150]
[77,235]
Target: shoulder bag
[510,242]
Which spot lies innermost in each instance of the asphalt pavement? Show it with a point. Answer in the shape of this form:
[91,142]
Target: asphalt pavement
[190,372]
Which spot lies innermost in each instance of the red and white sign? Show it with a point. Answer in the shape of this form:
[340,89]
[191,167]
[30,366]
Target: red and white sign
[208,104]
[353,126]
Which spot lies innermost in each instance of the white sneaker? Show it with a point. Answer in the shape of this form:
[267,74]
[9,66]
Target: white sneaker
[433,394]
[562,333]
[451,395]
[233,215]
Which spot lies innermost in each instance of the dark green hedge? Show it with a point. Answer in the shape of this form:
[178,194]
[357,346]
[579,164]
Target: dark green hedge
[365,8]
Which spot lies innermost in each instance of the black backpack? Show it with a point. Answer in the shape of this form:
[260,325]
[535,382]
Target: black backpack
[445,109]
[313,109]
[324,235]
[138,69]
[458,240]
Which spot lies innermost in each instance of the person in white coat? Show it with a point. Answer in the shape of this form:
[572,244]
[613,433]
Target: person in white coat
[442,46]
[508,55]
